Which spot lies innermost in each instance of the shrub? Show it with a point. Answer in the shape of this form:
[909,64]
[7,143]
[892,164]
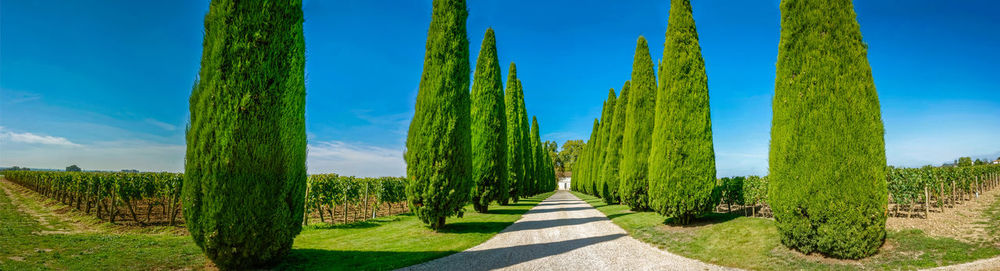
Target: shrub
[245,170]
[438,148]
[827,157]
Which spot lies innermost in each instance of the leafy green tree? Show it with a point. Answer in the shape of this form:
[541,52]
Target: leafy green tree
[73,168]
[639,115]
[246,143]
[964,161]
[438,146]
[609,113]
[489,129]
[517,136]
[682,158]
[568,154]
[612,157]
[827,158]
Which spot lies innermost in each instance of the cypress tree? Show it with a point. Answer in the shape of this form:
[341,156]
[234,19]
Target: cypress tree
[584,160]
[639,115]
[246,143]
[827,157]
[612,157]
[513,104]
[489,129]
[603,135]
[682,158]
[526,147]
[536,154]
[438,146]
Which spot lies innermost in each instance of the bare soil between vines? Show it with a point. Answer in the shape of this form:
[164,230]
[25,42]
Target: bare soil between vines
[967,221]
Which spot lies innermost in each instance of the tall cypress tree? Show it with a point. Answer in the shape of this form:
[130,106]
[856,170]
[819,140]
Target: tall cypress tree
[606,117]
[583,162]
[246,145]
[513,104]
[682,158]
[612,156]
[827,158]
[639,115]
[438,146]
[538,160]
[529,158]
[489,129]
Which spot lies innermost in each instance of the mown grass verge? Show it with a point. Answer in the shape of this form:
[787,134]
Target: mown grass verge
[380,244]
[753,243]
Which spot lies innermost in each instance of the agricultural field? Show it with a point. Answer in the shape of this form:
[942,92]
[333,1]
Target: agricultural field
[43,232]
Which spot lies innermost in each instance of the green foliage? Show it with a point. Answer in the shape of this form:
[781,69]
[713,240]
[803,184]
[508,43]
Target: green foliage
[328,191]
[754,190]
[579,181]
[73,168]
[906,185]
[245,170]
[962,162]
[517,136]
[732,190]
[682,158]
[636,138]
[568,154]
[489,129]
[438,148]
[612,150]
[538,174]
[608,114]
[828,196]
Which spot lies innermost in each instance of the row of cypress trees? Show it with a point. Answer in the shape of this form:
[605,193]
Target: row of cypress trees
[464,147]
[827,156]
[652,147]
[246,143]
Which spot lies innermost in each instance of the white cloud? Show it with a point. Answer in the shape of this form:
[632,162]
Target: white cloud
[163,125]
[355,159]
[29,138]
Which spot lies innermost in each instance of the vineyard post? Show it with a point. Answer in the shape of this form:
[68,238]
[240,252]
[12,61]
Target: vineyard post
[954,201]
[941,197]
[927,201]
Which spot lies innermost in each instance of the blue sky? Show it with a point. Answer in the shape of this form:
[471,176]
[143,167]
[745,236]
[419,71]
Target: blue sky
[104,84]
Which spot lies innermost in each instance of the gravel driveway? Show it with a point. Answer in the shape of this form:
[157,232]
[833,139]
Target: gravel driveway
[563,233]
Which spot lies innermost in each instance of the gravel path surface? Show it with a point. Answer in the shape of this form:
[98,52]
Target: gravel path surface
[980,265]
[563,233]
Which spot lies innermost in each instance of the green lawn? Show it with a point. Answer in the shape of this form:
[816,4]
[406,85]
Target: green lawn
[753,243]
[380,244]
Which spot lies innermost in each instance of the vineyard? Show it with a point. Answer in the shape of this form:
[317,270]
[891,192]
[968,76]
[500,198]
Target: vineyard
[921,190]
[142,198]
[327,193]
[155,198]
[911,191]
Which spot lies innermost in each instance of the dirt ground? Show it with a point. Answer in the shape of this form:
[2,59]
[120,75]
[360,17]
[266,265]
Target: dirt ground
[966,222]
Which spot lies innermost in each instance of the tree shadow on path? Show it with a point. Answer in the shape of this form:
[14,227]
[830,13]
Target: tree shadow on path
[496,258]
